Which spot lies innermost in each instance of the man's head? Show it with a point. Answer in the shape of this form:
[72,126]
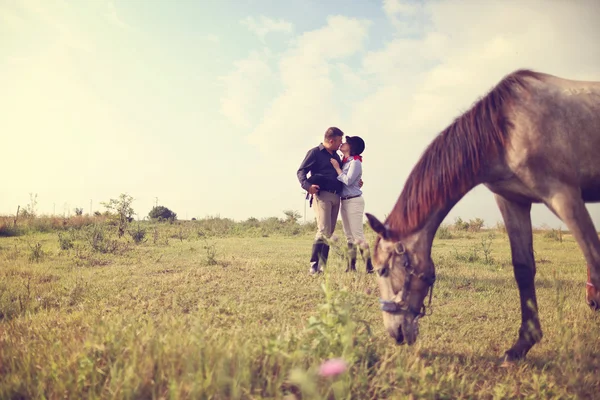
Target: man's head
[333,138]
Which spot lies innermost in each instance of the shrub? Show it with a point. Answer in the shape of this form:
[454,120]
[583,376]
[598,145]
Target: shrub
[472,255]
[443,232]
[121,211]
[475,225]
[291,216]
[36,253]
[555,234]
[500,227]
[138,235]
[211,253]
[460,225]
[99,239]
[65,241]
[486,246]
[252,222]
[8,227]
[215,226]
[160,213]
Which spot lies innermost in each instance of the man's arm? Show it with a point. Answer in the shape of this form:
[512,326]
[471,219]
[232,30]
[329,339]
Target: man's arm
[305,166]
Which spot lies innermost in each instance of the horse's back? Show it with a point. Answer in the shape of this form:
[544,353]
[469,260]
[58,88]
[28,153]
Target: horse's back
[555,137]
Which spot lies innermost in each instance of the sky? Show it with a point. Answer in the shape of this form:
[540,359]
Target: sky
[209,107]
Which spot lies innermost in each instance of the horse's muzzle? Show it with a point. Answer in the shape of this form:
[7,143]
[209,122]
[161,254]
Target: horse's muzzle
[395,331]
[592,296]
[410,329]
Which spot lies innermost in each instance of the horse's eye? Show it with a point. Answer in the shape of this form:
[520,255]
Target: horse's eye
[405,260]
[383,271]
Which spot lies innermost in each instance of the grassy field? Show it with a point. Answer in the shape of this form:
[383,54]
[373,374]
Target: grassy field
[192,314]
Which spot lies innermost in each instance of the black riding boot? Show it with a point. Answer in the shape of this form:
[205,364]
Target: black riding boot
[317,248]
[351,257]
[324,257]
[366,255]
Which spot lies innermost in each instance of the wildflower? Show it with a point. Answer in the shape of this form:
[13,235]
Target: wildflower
[333,367]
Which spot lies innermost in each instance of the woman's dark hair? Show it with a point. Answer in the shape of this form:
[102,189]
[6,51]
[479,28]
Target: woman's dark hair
[357,145]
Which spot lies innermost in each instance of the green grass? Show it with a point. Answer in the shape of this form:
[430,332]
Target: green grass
[199,316]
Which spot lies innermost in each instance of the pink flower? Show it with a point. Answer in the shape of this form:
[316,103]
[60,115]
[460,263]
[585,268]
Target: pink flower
[332,367]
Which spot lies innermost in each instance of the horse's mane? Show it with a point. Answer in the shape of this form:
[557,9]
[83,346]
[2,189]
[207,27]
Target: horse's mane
[449,166]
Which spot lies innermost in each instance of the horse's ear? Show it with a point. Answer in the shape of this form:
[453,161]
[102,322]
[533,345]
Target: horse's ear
[377,226]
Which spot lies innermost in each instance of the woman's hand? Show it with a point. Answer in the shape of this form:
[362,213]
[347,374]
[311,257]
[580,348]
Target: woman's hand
[335,164]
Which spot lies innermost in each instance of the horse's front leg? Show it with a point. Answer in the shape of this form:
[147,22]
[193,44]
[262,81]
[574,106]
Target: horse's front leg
[517,219]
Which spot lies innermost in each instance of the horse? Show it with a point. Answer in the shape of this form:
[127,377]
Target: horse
[533,138]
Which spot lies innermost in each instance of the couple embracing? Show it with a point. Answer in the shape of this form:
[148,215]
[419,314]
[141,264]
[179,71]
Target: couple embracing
[336,183]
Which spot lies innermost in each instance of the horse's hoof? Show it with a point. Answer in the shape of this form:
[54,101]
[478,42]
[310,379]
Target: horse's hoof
[510,359]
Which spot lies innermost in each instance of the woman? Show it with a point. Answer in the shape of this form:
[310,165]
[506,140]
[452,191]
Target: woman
[353,204]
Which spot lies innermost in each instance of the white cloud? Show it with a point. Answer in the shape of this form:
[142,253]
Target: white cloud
[61,20]
[308,104]
[352,79]
[341,37]
[243,89]
[211,38]
[114,18]
[406,16]
[10,20]
[404,57]
[262,25]
[394,7]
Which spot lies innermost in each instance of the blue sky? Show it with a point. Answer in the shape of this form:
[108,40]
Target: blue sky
[211,105]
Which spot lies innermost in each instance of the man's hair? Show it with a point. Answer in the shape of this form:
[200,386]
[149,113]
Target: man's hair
[333,132]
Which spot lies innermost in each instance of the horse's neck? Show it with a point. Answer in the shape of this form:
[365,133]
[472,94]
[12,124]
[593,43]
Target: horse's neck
[435,219]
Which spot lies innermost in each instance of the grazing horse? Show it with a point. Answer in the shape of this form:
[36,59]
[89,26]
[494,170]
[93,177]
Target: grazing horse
[534,138]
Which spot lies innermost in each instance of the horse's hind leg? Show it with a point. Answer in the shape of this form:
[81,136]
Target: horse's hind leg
[517,219]
[570,208]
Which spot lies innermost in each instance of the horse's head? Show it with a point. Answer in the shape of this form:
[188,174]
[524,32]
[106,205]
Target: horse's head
[406,275]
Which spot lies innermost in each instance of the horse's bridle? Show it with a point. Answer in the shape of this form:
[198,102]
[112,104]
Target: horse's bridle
[397,307]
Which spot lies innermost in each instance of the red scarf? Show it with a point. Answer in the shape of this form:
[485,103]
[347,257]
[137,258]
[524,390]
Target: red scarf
[359,158]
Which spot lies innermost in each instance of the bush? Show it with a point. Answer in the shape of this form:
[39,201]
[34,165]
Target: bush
[65,241]
[138,235]
[36,253]
[252,223]
[120,211]
[291,216]
[460,225]
[475,225]
[160,213]
[555,234]
[99,239]
[443,232]
[8,228]
[500,227]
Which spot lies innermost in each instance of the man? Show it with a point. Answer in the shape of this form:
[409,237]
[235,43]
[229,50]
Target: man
[326,188]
